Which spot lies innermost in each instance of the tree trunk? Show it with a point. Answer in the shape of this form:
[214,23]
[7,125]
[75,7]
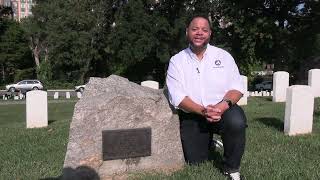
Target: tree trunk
[46,54]
[35,48]
[85,71]
[36,56]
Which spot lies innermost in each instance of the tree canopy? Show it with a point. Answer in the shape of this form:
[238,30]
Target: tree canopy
[73,40]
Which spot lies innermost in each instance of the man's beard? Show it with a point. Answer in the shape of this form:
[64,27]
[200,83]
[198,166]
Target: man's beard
[203,46]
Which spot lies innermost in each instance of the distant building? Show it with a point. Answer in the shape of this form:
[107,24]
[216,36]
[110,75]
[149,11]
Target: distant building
[21,8]
[5,9]
[5,3]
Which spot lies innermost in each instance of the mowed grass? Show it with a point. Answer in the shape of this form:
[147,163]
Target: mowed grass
[270,154]
[33,153]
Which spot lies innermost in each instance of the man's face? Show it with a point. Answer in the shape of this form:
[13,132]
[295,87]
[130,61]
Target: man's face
[198,33]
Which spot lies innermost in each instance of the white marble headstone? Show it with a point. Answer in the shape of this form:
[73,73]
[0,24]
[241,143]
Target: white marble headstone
[37,109]
[280,85]
[299,110]
[56,95]
[244,99]
[67,95]
[150,84]
[314,81]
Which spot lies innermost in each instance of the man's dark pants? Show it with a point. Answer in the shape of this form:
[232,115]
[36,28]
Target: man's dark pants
[196,136]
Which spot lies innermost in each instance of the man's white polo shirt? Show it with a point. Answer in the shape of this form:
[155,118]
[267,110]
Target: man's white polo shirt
[206,81]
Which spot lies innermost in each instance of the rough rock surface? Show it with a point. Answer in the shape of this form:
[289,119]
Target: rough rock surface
[116,103]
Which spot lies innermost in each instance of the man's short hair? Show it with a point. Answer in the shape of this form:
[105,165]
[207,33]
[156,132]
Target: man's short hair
[198,16]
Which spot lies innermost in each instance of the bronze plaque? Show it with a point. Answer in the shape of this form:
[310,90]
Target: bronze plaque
[126,143]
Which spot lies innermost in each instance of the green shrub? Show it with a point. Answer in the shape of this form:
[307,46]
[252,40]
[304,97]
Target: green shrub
[24,74]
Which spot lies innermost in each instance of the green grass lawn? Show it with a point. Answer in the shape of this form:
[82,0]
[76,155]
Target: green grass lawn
[33,153]
[39,153]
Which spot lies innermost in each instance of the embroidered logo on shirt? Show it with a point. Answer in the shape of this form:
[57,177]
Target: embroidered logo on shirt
[217,64]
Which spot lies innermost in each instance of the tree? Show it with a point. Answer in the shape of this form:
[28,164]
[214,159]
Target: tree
[73,40]
[268,31]
[14,52]
[67,36]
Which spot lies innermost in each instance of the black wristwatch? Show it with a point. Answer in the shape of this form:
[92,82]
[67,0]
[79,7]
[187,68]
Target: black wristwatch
[228,101]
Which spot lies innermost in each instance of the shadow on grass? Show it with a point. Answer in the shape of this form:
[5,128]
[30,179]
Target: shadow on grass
[269,98]
[263,98]
[216,159]
[79,173]
[272,122]
[51,121]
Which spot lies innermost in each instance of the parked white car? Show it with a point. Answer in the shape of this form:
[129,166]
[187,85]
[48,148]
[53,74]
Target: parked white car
[265,85]
[25,85]
[80,88]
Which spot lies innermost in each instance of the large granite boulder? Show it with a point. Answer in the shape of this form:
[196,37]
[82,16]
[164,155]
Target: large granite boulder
[116,103]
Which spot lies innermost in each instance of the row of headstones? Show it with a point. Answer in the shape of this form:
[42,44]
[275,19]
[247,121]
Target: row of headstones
[299,99]
[55,96]
[261,93]
[298,112]
[20,96]
[281,83]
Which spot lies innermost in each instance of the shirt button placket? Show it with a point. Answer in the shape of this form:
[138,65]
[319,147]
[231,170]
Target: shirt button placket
[201,82]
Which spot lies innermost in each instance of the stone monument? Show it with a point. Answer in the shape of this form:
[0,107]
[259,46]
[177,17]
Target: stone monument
[115,109]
